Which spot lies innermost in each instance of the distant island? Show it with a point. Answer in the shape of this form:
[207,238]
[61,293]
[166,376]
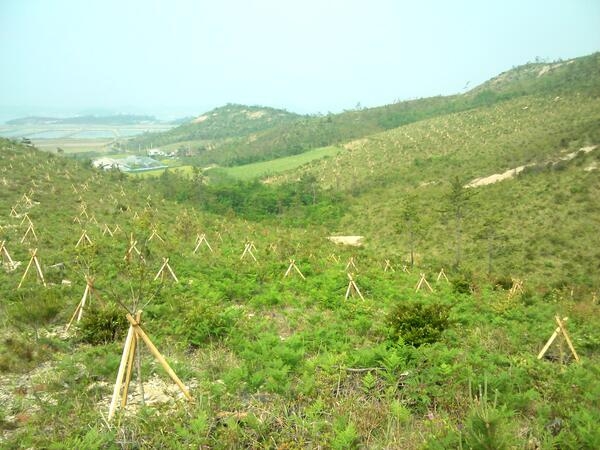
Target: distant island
[117,119]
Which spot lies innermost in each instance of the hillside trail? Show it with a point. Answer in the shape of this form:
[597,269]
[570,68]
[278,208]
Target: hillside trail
[511,173]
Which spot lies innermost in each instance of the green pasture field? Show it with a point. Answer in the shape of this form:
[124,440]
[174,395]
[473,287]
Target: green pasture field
[262,169]
[182,170]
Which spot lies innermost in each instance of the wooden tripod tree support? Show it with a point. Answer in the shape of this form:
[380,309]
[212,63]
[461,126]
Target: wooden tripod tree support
[8,262]
[106,231]
[422,281]
[351,264]
[126,367]
[388,266]
[87,294]
[295,267]
[116,229]
[26,218]
[38,268]
[133,248]
[441,275]
[201,238]
[352,288]
[155,234]
[405,269]
[13,212]
[84,239]
[561,329]
[516,288]
[248,251]
[334,258]
[6,259]
[31,230]
[161,271]
[27,201]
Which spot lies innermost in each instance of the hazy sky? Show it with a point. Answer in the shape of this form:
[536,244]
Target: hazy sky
[178,57]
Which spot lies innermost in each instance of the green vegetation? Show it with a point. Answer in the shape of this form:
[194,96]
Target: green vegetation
[219,124]
[282,362]
[275,166]
[231,136]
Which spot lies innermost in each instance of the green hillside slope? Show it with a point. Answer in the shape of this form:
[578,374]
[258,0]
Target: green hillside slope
[417,163]
[287,340]
[275,360]
[288,134]
[212,127]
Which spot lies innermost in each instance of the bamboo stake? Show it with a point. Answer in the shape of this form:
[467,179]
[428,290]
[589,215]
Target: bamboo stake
[388,266]
[120,373]
[248,250]
[567,338]
[352,288]
[39,269]
[442,274]
[129,370]
[87,293]
[130,359]
[84,238]
[79,309]
[420,283]
[550,341]
[155,233]
[29,228]
[158,356]
[293,266]
[25,274]
[37,266]
[5,254]
[161,271]
[132,248]
[199,240]
[106,231]
[351,263]
[26,217]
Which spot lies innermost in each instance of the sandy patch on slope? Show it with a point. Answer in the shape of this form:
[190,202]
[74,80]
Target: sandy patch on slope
[511,173]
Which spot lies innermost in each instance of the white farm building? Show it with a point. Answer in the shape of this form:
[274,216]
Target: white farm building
[129,164]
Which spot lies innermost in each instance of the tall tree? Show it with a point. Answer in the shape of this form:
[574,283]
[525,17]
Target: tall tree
[411,221]
[458,199]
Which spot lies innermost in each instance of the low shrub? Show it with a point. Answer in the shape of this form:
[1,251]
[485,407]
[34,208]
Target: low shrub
[208,320]
[418,323]
[103,325]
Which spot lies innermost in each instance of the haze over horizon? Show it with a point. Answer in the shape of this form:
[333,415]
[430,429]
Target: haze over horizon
[172,59]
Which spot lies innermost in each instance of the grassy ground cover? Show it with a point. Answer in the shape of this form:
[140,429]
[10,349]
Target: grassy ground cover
[271,361]
[276,166]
